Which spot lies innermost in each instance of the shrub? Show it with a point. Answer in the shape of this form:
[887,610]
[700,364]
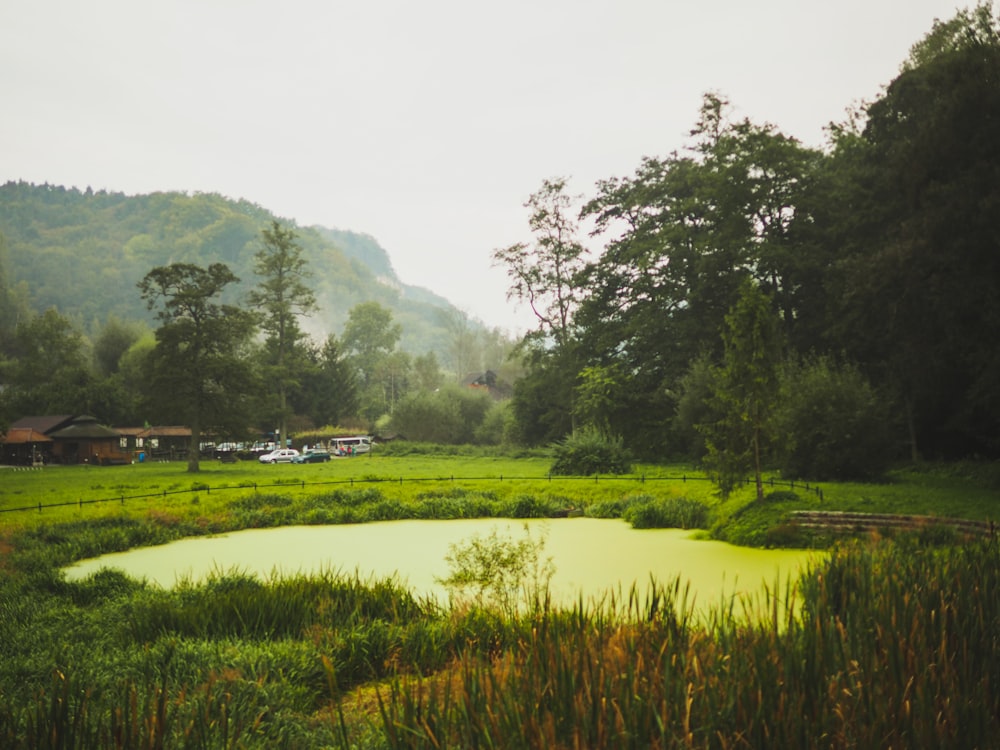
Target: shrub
[450,415]
[590,451]
[499,572]
[496,427]
[667,513]
[837,426]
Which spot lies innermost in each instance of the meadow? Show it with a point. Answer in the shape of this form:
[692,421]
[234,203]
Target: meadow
[890,642]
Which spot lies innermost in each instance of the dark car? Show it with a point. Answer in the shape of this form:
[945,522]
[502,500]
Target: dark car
[312,457]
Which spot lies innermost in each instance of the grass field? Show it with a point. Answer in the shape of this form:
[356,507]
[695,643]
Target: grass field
[891,641]
[76,493]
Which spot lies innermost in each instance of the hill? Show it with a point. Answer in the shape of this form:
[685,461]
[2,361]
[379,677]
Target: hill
[83,253]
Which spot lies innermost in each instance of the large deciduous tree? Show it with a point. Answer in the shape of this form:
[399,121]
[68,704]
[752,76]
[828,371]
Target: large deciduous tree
[281,297]
[199,371]
[682,233]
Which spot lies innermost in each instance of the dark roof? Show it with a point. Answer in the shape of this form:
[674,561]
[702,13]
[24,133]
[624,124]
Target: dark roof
[84,428]
[488,378]
[46,425]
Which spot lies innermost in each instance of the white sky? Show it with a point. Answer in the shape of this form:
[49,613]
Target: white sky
[425,123]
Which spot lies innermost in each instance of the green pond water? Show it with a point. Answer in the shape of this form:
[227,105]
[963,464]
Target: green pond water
[592,557]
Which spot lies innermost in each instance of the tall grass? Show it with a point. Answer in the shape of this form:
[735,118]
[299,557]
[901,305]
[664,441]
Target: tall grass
[892,644]
[896,647]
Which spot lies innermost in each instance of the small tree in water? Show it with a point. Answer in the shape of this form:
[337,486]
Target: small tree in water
[499,572]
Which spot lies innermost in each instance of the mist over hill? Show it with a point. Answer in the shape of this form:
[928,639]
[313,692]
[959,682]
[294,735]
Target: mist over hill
[83,252]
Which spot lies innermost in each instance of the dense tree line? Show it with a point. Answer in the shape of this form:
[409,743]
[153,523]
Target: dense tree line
[878,259]
[236,366]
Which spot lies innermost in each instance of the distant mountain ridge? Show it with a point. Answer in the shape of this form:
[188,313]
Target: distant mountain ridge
[83,252]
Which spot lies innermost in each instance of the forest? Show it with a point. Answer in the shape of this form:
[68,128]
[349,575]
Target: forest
[878,259]
[825,311]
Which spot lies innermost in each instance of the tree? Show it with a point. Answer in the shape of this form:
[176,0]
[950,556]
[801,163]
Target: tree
[199,370]
[329,393]
[914,227]
[282,296]
[681,234]
[461,342]
[370,338]
[369,335]
[594,395]
[746,389]
[48,371]
[545,275]
[115,338]
[13,302]
[427,372]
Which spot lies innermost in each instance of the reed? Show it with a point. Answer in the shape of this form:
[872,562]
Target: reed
[892,646]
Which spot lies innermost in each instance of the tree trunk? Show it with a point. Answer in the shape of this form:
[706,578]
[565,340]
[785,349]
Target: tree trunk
[194,449]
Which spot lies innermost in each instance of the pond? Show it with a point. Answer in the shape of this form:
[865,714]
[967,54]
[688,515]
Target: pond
[592,557]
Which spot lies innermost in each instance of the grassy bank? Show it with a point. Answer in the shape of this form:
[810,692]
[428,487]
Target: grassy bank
[894,644]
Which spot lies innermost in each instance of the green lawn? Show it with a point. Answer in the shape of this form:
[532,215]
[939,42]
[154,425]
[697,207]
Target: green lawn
[78,493]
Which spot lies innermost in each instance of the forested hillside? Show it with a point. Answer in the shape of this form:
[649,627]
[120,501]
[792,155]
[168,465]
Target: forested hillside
[84,252]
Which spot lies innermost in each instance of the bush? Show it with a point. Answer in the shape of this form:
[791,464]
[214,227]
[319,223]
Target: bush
[500,573]
[836,424]
[451,415]
[667,513]
[497,426]
[590,451]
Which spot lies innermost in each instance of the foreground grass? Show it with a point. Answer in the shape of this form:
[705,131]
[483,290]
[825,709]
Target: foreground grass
[895,644]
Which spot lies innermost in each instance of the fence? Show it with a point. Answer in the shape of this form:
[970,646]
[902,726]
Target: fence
[255,486]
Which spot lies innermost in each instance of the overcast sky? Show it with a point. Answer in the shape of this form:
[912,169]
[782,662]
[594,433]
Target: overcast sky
[425,123]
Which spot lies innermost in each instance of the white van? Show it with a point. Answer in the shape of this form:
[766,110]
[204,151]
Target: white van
[350,446]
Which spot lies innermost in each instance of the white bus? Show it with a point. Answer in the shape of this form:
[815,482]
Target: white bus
[350,446]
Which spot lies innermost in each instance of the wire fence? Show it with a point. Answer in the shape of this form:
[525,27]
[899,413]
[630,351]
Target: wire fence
[257,486]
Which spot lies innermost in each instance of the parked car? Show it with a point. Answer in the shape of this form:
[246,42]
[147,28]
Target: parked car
[312,456]
[279,456]
[352,445]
